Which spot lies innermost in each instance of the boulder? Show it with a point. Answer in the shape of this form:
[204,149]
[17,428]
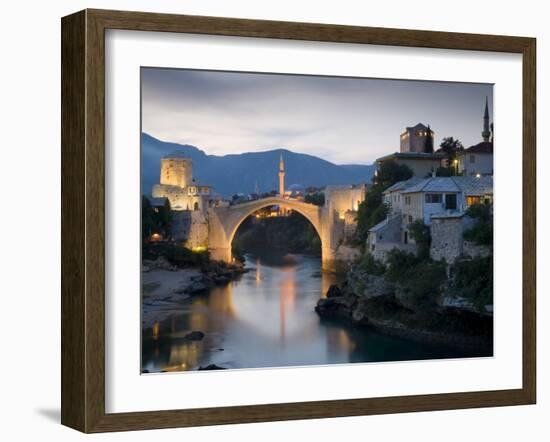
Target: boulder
[196,287]
[212,367]
[334,291]
[335,307]
[194,336]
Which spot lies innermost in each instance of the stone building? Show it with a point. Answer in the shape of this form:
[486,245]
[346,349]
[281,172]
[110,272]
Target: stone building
[189,200]
[440,203]
[345,200]
[418,138]
[477,160]
[177,184]
[416,151]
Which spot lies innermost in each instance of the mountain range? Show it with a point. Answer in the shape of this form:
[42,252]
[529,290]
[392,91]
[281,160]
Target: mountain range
[239,173]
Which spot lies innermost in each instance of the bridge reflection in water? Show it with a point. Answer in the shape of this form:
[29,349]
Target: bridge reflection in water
[266,319]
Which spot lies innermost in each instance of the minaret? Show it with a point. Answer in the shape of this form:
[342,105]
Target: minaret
[486,134]
[281,176]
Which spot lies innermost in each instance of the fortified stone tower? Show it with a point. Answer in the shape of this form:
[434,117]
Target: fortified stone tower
[176,170]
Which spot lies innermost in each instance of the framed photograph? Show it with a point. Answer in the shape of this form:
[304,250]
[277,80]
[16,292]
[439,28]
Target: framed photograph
[271,220]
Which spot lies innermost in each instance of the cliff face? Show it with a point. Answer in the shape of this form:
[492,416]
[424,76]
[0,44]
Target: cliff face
[366,300]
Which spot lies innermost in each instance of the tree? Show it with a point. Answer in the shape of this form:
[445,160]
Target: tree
[390,172]
[147,221]
[372,209]
[420,232]
[482,231]
[429,144]
[451,148]
[449,145]
[317,198]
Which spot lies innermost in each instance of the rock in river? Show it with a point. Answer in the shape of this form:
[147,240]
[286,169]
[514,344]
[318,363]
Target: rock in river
[212,367]
[194,336]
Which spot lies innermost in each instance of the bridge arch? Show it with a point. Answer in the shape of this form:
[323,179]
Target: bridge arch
[314,220]
[224,222]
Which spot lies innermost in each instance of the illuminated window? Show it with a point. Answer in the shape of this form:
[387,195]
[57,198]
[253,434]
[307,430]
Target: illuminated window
[471,200]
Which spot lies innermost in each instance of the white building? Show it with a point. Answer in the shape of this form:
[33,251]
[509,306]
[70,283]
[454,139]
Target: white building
[425,199]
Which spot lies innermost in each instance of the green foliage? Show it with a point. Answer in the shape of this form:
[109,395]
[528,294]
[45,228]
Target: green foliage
[451,148]
[449,145]
[155,220]
[370,265]
[176,254]
[482,232]
[424,282]
[429,143]
[421,279]
[317,198]
[292,233]
[446,171]
[398,261]
[420,232]
[237,252]
[390,173]
[473,280]
[373,210]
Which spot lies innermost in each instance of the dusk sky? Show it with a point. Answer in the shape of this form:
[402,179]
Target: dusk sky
[342,120]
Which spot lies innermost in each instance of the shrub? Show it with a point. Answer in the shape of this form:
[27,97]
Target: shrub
[420,279]
[473,280]
[482,232]
[420,232]
[176,254]
[399,261]
[370,265]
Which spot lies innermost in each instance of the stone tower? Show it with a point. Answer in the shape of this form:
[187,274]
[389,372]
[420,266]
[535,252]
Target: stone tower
[281,176]
[486,134]
[176,170]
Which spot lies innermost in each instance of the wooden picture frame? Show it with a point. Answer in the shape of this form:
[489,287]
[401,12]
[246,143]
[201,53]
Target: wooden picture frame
[83,219]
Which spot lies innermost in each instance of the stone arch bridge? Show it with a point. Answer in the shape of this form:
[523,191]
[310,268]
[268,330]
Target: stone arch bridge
[223,223]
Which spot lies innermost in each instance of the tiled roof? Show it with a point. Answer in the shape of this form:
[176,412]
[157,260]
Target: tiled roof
[419,126]
[385,222]
[402,185]
[483,147]
[413,156]
[474,186]
[468,185]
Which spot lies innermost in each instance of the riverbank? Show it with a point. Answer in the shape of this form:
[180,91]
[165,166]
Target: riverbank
[371,301]
[167,288]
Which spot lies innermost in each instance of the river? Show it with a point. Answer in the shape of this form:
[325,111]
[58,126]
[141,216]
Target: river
[267,319]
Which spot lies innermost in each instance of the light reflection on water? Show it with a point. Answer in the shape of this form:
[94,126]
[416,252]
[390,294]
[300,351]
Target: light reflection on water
[266,319]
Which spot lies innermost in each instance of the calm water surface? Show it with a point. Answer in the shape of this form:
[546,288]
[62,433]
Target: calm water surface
[266,319]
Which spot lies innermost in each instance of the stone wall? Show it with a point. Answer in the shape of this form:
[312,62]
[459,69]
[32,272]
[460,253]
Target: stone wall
[472,250]
[350,224]
[190,227]
[382,249]
[447,241]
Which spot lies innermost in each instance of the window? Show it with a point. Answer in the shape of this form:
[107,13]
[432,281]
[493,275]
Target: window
[196,206]
[410,219]
[472,159]
[471,200]
[433,198]
[450,201]
[407,200]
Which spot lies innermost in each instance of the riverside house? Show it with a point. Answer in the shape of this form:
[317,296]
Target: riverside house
[442,201]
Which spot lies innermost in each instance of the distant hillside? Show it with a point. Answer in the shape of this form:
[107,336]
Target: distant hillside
[230,174]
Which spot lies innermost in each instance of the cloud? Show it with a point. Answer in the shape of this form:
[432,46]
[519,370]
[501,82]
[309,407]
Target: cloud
[343,120]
